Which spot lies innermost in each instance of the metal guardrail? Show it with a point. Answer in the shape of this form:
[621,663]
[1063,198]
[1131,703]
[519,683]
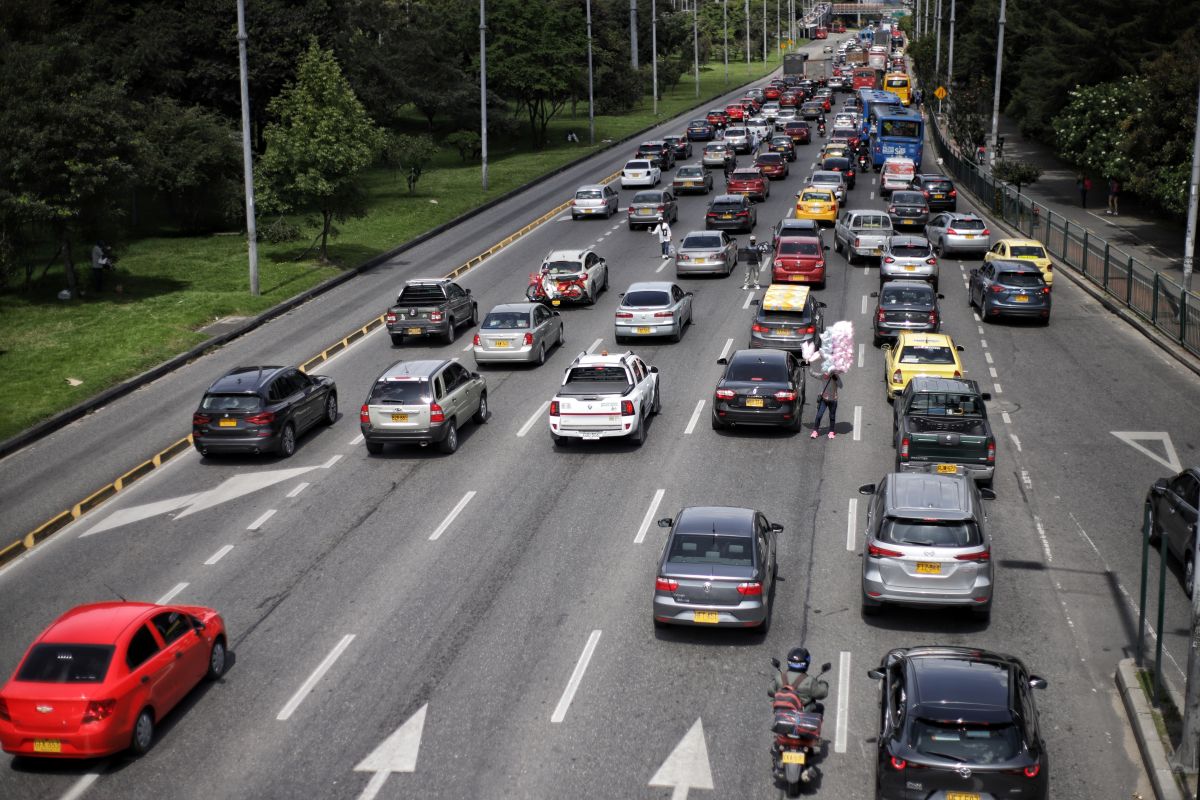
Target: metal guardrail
[1154,297]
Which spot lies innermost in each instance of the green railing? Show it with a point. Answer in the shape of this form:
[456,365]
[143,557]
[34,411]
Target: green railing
[1146,292]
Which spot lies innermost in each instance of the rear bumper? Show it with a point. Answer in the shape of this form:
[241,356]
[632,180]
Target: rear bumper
[692,268]
[99,740]
[868,250]
[767,417]
[757,340]
[504,355]
[808,276]
[1016,310]
[923,273]
[632,331]
[877,590]
[891,330]
[747,614]
[625,427]
[729,225]
[680,188]
[647,181]
[978,472]
[425,328]
[236,444]
[434,433]
[958,244]
[589,211]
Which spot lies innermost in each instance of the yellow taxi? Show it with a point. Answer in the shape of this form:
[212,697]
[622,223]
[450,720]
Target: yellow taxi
[835,150]
[1024,250]
[933,354]
[815,203]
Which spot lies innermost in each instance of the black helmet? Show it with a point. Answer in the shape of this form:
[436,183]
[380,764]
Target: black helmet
[798,659]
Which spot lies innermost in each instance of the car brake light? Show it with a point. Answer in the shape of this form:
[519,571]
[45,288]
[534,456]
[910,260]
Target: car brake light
[1045,290]
[475,340]
[554,408]
[661,209]
[435,316]
[759,328]
[725,394]
[743,213]
[785,395]
[957,374]
[951,232]
[200,419]
[661,314]
[265,418]
[98,710]
[926,193]
[436,414]
[898,763]
[875,551]
[954,192]
[933,318]
[997,288]
[751,589]
[527,341]
[626,408]
[810,329]
[1032,770]
[932,260]
[390,317]
[629,211]
[985,555]
[991,451]
[987,232]
[889,260]
[624,315]
[665,584]
[904,449]
[880,315]
[857,242]
[364,414]
[892,209]
[4,715]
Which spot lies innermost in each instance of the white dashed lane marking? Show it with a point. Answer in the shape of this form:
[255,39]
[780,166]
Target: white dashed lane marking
[649,518]
[305,688]
[174,590]
[691,426]
[564,702]
[217,556]
[466,498]
[851,523]
[300,487]
[258,523]
[533,420]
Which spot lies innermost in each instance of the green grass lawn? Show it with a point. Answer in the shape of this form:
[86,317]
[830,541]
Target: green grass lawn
[174,286]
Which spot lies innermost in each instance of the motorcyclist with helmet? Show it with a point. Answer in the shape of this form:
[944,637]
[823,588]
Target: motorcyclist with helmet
[810,688]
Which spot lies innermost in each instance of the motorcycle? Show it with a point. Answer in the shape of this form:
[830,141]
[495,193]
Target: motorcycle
[797,729]
[862,162]
[546,288]
[820,128]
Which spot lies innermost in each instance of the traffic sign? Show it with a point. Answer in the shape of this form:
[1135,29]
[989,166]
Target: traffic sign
[940,93]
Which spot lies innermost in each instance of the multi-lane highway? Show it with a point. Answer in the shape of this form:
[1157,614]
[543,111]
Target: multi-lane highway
[478,625]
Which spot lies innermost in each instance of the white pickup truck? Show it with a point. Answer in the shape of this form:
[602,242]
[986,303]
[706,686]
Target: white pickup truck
[605,396]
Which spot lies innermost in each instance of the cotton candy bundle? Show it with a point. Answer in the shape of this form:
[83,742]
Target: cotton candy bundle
[840,337]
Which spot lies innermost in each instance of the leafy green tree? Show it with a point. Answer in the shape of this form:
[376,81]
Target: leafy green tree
[968,113]
[1018,173]
[319,144]
[1092,130]
[411,155]
[467,143]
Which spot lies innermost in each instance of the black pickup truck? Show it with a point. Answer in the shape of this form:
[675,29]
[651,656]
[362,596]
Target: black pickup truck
[941,426]
[430,307]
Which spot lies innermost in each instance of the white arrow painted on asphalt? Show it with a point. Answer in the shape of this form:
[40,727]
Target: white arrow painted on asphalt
[1132,438]
[687,766]
[397,753]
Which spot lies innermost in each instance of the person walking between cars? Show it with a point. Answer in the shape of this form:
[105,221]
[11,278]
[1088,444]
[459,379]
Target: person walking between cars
[663,230]
[753,255]
[1114,189]
[828,399]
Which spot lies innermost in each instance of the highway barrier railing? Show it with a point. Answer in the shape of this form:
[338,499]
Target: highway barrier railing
[1143,290]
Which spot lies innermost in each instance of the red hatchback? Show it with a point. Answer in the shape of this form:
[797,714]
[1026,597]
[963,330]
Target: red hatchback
[717,118]
[771,93]
[102,676]
[750,182]
[799,259]
[735,112]
[800,131]
[773,165]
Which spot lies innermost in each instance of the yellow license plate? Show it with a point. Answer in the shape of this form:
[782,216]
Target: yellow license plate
[227,423]
[781,332]
[690,183]
[947,469]
[645,212]
[414,331]
[754,402]
[789,757]
[556,302]
[645,330]
[961,796]
[399,417]
[500,343]
[727,216]
[939,197]
[910,269]
[970,235]
[707,617]
[929,568]
[47,746]
[876,252]
[1022,298]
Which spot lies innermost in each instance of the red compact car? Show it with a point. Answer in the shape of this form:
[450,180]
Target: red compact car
[789,98]
[800,131]
[771,93]
[735,112]
[750,182]
[718,119]
[773,165]
[102,676]
[799,259]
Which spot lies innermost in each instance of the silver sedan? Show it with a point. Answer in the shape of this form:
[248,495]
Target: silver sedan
[517,332]
[706,253]
[957,233]
[653,308]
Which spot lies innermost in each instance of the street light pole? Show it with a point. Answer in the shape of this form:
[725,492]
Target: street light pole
[633,54]
[653,51]
[937,22]
[725,13]
[1189,241]
[591,99]
[247,156]
[950,59]
[778,27]
[747,37]
[696,42]
[764,2]
[996,91]
[483,90]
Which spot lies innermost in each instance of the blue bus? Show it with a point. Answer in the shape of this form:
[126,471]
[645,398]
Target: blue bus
[898,132]
[870,102]
[866,38]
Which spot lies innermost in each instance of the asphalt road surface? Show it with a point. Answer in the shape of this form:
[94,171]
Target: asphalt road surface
[478,625]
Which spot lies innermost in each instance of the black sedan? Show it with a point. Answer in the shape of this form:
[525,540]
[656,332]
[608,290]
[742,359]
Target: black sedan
[843,165]
[262,410]
[680,145]
[905,305]
[759,387]
[958,722]
[1171,507]
[1009,288]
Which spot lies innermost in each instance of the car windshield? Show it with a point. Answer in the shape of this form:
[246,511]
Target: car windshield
[926,354]
[906,296]
[231,402]
[1022,279]
[926,533]
[815,197]
[922,250]
[66,663]
[689,172]
[1027,251]
[562,267]
[646,298]
[945,404]
[506,320]
[400,393]
[589,194]
[648,197]
[794,248]
[701,243]
[755,369]
[965,742]
[707,548]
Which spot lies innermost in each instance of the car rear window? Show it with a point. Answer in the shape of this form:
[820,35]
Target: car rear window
[906,296]
[707,548]
[793,248]
[600,373]
[966,224]
[815,197]
[506,320]
[648,197]
[66,663]
[726,207]
[1027,251]
[701,243]
[911,250]
[926,354]
[400,393]
[643,298]
[873,222]
[923,533]
[1022,279]
[638,165]
[941,404]
[836,163]
[589,194]
[752,369]
[938,185]
[965,742]
[908,199]
[231,402]
[689,172]
[421,294]
[736,132]
[714,148]
[770,158]
[562,267]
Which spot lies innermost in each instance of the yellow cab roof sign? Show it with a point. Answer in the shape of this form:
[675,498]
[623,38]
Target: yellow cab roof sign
[781,297]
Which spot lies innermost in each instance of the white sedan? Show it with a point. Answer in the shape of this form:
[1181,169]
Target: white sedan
[640,173]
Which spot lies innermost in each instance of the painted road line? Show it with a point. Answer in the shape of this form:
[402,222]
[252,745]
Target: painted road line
[857,423]
[466,498]
[863,309]
[170,595]
[1025,479]
[300,487]
[862,353]
[217,556]
[996,389]
[983,343]
[595,344]
[331,461]
[843,702]
[80,787]
[564,702]
[976,315]
[356,440]
[1037,523]
[1016,442]
[662,266]
[290,708]
[468,346]
[749,298]
[258,523]
[988,357]
[1007,419]
[992,372]
[871,196]
[725,350]
[980,330]
[691,426]
[650,512]
[851,523]
[529,423]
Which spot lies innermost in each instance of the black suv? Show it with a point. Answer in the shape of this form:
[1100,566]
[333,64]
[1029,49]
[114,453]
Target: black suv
[731,212]
[658,152]
[939,191]
[958,722]
[262,409]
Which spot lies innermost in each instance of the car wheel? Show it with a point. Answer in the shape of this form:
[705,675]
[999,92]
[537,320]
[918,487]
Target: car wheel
[397,339]
[474,315]
[940,249]
[837,245]
[1155,537]
[216,660]
[656,408]
[374,448]
[717,425]
[678,334]
[876,341]
[451,329]
[449,444]
[541,359]
[984,312]
[562,335]
[638,437]
[481,413]
[143,733]
[287,441]
[604,286]
[331,412]
[765,628]
[560,441]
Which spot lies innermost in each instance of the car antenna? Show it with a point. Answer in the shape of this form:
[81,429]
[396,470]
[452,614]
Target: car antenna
[113,591]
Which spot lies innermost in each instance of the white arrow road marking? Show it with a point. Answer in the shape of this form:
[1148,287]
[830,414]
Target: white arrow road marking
[650,512]
[564,702]
[687,767]
[843,703]
[126,516]
[1132,439]
[397,753]
[313,679]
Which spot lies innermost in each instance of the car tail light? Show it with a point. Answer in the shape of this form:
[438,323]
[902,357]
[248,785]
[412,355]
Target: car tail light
[954,192]
[751,589]
[932,261]
[435,316]
[889,260]
[662,314]
[389,317]
[475,341]
[903,455]
[1045,290]
[364,414]
[436,414]
[991,451]
[1049,268]
[957,374]
[743,213]
[711,214]
[626,408]
[933,318]
[554,408]
[4,715]
[875,551]
[857,242]
[820,265]
[661,209]
[987,232]
[897,376]
[98,710]
[726,394]
[624,315]
[951,232]
[1032,770]
[759,328]
[665,584]
[985,555]
[527,341]
[785,395]
[629,211]
[926,193]
[997,288]
[200,419]
[809,329]
[898,763]
[265,418]
[881,315]
[891,209]
[574,202]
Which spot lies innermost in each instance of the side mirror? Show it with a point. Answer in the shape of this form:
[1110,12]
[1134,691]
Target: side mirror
[475,375]
[1036,682]
[867,488]
[821,304]
[775,663]
[941,297]
[723,361]
[975,271]
[1160,486]
[654,370]
[876,674]
[987,494]
[666,522]
[468,291]
[960,348]
[754,302]
[689,294]
[985,395]
[622,294]
[776,527]
[555,314]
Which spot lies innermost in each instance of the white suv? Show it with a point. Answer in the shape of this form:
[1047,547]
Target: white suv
[640,173]
[605,396]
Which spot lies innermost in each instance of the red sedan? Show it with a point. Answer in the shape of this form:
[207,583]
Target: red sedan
[735,112]
[773,165]
[717,118]
[750,182]
[800,131]
[799,259]
[771,93]
[102,676]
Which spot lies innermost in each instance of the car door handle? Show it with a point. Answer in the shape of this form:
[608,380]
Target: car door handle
[178,654]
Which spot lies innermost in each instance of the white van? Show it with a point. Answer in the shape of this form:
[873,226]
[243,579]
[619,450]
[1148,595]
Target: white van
[897,173]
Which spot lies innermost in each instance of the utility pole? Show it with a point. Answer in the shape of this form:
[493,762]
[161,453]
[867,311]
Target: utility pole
[1187,756]
[483,89]
[653,51]
[747,37]
[725,12]
[937,22]
[1189,240]
[925,27]
[917,19]
[633,33]
[996,91]
[247,156]
[950,60]
[591,98]
[764,2]
[778,28]
[696,42]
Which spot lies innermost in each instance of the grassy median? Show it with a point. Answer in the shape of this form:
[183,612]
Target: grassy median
[55,354]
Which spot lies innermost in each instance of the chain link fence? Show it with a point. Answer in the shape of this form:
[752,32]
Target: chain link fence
[1156,298]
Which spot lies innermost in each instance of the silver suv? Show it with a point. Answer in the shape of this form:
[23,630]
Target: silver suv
[927,544]
[908,257]
[738,139]
[422,402]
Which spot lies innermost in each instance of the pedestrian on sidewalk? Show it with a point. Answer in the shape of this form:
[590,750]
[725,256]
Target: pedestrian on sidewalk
[1114,189]
[827,399]
[663,230]
[1084,185]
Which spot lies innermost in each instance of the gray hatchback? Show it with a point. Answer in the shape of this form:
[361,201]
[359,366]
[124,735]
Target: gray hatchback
[717,569]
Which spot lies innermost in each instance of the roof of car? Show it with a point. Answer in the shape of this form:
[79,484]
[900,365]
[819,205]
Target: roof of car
[964,215]
[588,187]
[1016,265]
[907,239]
[96,623]
[601,358]
[649,286]
[716,519]
[923,495]
[637,161]
[1021,242]
[519,308]
[244,379]
[930,383]
[796,237]
[405,370]
[426,281]
[565,255]
[784,297]
[921,338]
[747,172]
[959,681]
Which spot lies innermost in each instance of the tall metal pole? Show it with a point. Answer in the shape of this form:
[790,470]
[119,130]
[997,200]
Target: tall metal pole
[1189,240]
[591,98]
[937,22]
[483,90]
[247,156]
[917,20]
[950,60]
[778,26]
[1187,755]
[696,42]
[633,53]
[996,91]
[725,12]
[654,51]
[747,37]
